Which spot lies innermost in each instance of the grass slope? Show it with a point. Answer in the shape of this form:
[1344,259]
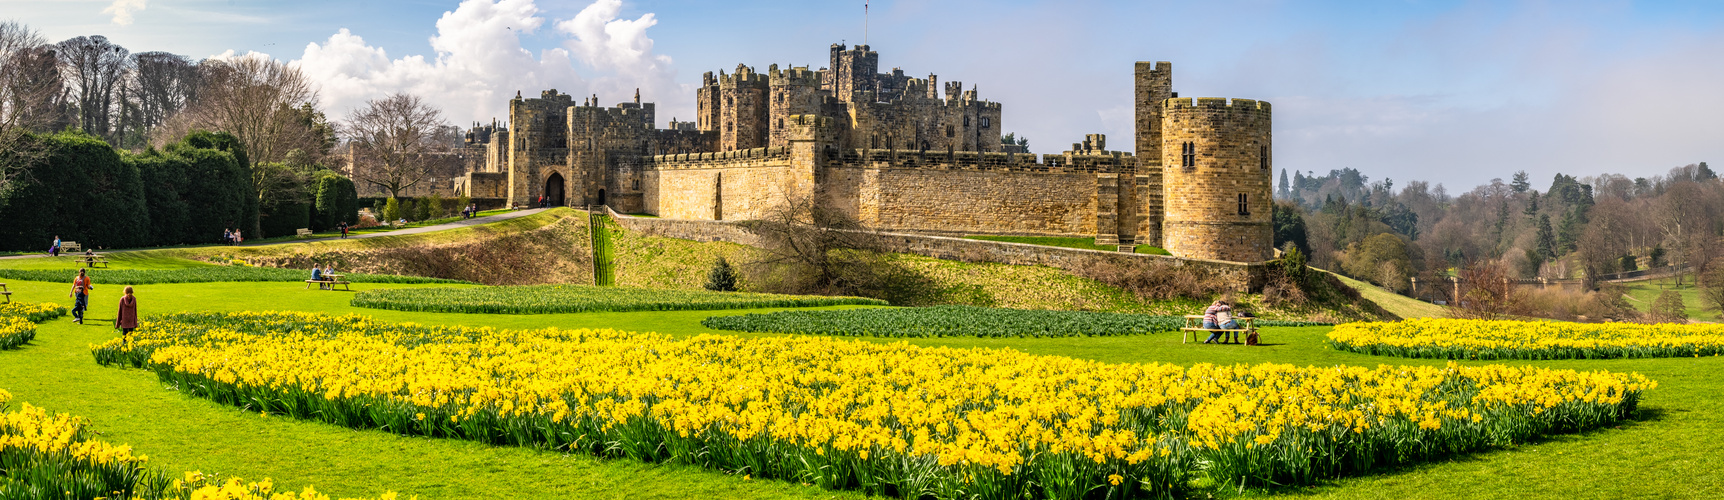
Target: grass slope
[1643,293]
[1673,453]
[1400,305]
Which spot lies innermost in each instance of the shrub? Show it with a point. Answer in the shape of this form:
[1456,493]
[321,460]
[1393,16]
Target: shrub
[391,211]
[722,278]
[1668,308]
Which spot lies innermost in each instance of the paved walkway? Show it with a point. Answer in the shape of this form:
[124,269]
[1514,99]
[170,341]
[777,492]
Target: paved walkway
[399,232]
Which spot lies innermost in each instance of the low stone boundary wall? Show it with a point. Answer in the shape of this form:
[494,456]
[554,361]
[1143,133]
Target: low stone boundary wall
[1239,275]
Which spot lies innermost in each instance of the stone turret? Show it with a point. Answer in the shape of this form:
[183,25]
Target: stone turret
[1216,165]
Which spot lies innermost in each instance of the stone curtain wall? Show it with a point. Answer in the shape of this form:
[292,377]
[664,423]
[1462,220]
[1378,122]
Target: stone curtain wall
[716,186]
[974,201]
[1248,277]
[1203,219]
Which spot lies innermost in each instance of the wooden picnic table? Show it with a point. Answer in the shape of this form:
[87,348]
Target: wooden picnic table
[1194,323]
[329,282]
[91,259]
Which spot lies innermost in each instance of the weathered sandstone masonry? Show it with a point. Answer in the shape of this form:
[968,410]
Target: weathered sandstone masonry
[1237,275]
[899,155]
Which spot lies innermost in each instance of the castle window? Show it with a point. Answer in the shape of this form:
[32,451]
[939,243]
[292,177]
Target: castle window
[986,122]
[950,131]
[966,122]
[1188,154]
[780,123]
[727,126]
[1263,157]
[728,102]
[637,184]
[1244,204]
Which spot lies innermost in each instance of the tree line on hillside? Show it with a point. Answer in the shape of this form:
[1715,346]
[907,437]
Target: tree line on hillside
[1576,228]
[147,101]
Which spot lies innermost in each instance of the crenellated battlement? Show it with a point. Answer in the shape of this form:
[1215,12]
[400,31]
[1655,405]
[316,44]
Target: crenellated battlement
[743,77]
[741,158]
[799,76]
[1185,103]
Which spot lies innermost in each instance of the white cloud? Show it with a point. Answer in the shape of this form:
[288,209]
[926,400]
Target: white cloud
[122,10]
[479,61]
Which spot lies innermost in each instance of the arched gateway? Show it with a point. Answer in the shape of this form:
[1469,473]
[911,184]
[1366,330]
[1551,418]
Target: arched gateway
[554,189]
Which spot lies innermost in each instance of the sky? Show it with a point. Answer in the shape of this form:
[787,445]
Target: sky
[1452,92]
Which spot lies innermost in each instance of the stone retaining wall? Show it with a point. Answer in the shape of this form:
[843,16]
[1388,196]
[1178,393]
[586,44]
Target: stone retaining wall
[1239,275]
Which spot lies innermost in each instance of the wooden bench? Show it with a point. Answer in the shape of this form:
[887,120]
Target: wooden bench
[303,232]
[5,293]
[70,246]
[1194,323]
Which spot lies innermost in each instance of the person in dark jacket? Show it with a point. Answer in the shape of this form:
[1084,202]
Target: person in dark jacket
[127,319]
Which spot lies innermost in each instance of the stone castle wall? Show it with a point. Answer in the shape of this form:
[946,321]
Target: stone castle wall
[716,186]
[1239,276]
[1219,207]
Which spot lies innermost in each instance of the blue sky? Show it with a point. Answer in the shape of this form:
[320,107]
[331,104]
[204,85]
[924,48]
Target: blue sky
[1447,91]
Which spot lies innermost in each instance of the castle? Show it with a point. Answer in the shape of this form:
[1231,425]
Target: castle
[894,153]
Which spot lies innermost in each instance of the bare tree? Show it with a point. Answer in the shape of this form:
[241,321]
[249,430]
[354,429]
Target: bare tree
[1487,293]
[399,142]
[95,68]
[24,97]
[162,84]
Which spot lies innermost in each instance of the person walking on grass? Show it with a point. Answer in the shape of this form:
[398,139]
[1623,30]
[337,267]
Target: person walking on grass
[127,319]
[80,296]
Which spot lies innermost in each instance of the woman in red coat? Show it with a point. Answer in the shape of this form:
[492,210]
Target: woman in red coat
[127,320]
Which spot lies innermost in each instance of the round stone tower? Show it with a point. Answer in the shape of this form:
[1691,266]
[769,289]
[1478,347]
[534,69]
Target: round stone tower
[1216,164]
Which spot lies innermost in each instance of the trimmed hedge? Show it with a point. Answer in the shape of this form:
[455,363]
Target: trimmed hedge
[546,299]
[210,274]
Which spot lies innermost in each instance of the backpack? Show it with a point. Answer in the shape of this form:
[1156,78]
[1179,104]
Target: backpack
[1251,338]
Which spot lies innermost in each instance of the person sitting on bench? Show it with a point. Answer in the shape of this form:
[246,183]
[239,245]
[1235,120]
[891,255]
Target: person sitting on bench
[1219,316]
[316,272]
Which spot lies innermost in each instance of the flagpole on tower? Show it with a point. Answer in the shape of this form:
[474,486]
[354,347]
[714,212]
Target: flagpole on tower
[864,22]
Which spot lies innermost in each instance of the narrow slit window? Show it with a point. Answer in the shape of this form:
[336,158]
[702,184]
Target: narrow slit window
[1244,204]
[1263,157]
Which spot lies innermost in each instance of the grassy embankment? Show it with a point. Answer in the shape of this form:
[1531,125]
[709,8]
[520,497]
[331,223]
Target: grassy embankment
[1643,293]
[1671,453]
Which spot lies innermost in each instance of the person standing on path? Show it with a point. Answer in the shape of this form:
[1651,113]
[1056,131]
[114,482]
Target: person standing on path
[127,319]
[54,249]
[343,226]
[80,296]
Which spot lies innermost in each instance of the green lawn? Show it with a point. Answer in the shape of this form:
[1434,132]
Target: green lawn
[1643,293]
[1053,241]
[1400,305]
[1673,452]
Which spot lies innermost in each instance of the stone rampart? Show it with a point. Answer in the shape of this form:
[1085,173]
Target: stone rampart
[1238,275]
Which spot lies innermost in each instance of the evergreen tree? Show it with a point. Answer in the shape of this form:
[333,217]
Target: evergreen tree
[1521,182]
[722,278]
[1546,239]
[1704,173]
[1289,226]
[1283,192]
[1568,232]
[1531,205]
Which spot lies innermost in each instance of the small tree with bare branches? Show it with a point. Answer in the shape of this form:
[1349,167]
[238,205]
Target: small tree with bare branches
[1488,293]
[399,142]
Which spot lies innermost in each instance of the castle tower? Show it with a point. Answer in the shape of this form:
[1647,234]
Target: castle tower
[743,110]
[852,71]
[538,131]
[1216,165]
[794,91]
[706,104]
[1154,82]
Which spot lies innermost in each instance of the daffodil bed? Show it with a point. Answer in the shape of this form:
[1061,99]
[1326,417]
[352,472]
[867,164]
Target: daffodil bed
[956,321]
[889,419]
[45,455]
[1481,339]
[546,299]
[18,321]
[37,312]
